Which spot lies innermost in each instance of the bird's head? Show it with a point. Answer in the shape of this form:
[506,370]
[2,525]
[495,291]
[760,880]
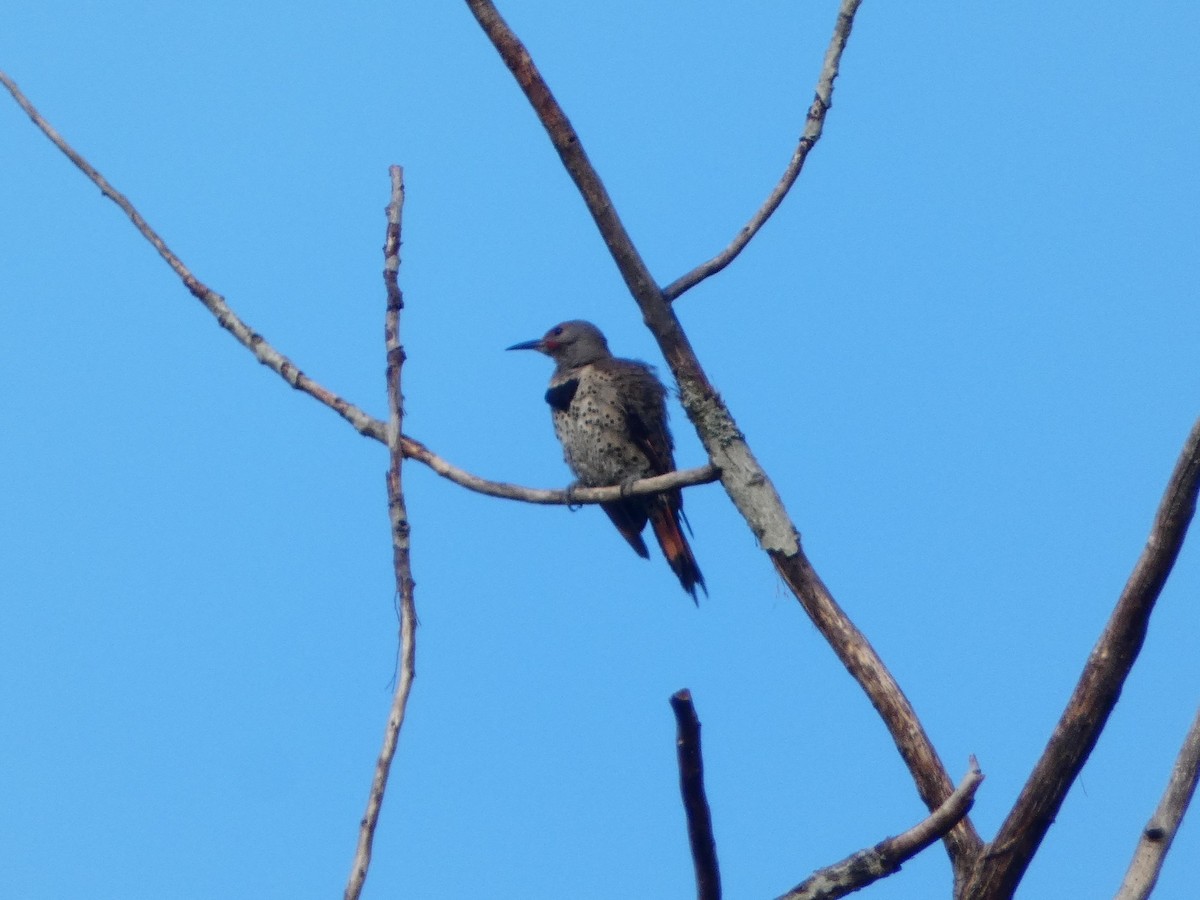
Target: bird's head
[570,344]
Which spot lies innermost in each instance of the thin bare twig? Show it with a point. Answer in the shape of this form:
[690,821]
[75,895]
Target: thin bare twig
[814,125]
[214,302]
[746,482]
[401,560]
[701,475]
[1160,830]
[695,802]
[885,858]
[1005,859]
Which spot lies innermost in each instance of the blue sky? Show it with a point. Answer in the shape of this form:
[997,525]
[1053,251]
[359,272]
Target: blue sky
[965,349]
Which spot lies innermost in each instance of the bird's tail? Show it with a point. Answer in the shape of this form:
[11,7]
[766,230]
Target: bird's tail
[630,519]
[664,519]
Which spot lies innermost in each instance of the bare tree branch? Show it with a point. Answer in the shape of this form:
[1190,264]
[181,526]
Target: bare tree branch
[214,302]
[813,127]
[1005,859]
[568,145]
[885,858]
[1160,830]
[747,484]
[861,660]
[580,495]
[401,560]
[695,802]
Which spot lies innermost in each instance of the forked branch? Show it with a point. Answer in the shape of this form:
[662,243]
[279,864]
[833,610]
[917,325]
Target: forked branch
[1004,861]
[814,125]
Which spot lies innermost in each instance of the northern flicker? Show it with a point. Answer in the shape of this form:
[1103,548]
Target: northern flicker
[611,416]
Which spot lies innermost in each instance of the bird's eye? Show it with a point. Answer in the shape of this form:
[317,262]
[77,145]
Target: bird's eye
[556,330]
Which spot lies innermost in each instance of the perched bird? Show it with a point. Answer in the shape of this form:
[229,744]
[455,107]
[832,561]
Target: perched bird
[611,416]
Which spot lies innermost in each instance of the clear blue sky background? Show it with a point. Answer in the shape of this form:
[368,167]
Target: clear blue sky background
[966,349]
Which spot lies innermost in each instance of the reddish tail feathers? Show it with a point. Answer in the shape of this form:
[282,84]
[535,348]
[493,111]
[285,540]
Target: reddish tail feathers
[665,522]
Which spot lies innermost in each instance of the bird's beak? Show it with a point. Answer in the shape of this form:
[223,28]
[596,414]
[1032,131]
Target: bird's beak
[535,344]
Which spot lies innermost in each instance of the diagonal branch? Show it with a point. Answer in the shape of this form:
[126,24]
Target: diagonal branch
[695,802]
[401,560]
[863,663]
[570,148]
[1000,869]
[213,302]
[1160,830]
[814,125]
[748,485]
[885,858]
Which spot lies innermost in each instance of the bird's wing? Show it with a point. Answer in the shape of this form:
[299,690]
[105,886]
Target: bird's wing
[645,406]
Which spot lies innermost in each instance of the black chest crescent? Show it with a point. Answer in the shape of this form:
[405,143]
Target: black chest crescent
[560,396]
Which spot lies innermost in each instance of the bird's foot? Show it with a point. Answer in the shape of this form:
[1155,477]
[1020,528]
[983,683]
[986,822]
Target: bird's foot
[570,492]
[628,483]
